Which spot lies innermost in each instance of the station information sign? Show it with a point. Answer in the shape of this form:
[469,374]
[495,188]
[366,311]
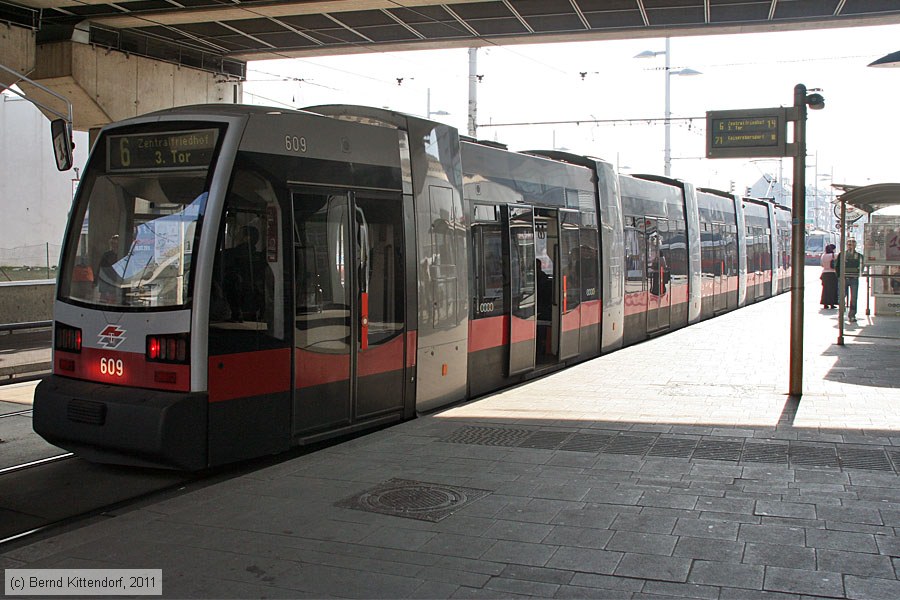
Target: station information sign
[757,132]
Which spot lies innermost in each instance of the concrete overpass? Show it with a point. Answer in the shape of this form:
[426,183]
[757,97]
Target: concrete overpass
[120,59]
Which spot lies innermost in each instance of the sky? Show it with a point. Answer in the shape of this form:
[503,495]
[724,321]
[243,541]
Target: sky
[853,140]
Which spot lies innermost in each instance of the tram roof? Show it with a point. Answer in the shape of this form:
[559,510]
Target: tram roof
[240,30]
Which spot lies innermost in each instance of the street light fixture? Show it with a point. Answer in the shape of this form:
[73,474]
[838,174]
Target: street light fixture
[667,156]
[889,60]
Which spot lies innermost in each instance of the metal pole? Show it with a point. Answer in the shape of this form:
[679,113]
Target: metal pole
[797,245]
[842,300]
[816,192]
[667,151]
[473,91]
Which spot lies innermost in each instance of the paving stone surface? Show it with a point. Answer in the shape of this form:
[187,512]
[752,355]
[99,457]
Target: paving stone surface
[677,468]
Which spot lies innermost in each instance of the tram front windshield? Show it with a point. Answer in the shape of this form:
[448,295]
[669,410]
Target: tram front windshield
[815,244]
[137,218]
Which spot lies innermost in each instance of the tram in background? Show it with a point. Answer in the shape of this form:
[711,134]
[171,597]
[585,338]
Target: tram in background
[239,280]
[816,241]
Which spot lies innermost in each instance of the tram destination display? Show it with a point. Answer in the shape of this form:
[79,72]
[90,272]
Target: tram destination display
[168,150]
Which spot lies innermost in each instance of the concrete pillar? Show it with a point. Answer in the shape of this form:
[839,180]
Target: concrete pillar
[17,51]
[108,85]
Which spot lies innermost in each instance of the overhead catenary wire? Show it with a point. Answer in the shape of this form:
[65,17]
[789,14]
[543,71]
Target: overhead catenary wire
[647,120]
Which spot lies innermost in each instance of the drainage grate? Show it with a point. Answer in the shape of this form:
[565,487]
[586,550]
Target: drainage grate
[718,450]
[813,456]
[488,436]
[630,444]
[723,449]
[765,453]
[549,440]
[586,442]
[673,447]
[413,499]
[859,458]
[895,456]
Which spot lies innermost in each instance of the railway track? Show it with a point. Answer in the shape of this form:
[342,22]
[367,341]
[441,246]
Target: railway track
[35,463]
[45,494]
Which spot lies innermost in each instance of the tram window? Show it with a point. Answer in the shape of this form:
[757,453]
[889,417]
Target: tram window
[589,265]
[247,307]
[570,261]
[441,281]
[381,265]
[487,245]
[634,254]
[521,265]
[322,298]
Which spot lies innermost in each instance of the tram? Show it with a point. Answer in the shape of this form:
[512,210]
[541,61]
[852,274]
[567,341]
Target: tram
[816,242]
[238,280]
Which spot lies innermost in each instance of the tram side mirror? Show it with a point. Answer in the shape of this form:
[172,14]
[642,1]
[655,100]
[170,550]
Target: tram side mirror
[62,144]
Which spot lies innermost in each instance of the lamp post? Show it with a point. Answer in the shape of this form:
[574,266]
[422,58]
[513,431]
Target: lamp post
[667,153]
[814,101]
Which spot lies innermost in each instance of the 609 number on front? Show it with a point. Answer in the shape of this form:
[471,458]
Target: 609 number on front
[112,366]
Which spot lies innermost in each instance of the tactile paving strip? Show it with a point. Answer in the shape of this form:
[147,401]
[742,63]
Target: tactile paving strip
[413,499]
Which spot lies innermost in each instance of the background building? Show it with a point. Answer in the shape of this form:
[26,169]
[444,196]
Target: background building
[35,198]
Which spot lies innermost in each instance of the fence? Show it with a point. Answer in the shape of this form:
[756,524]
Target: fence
[26,263]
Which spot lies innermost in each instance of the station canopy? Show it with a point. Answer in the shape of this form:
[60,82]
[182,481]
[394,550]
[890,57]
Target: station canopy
[870,198]
[262,29]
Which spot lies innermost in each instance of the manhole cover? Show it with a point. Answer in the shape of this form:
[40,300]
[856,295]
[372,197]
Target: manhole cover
[413,499]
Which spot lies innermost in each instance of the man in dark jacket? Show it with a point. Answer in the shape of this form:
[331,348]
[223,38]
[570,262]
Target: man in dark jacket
[850,264]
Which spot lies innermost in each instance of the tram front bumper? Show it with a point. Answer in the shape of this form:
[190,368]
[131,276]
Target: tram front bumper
[118,425]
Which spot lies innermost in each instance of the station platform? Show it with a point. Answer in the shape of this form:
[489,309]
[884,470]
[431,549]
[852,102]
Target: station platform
[676,468]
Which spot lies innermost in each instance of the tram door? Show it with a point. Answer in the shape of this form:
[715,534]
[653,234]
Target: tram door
[349,342]
[522,301]
[659,299]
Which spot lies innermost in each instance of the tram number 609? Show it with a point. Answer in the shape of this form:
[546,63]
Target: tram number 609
[112,366]
[295,143]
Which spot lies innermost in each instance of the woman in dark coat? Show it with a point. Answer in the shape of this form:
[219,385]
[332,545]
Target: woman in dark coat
[829,279]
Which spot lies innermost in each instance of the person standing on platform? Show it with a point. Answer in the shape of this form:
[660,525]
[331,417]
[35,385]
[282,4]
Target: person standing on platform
[853,266]
[829,297]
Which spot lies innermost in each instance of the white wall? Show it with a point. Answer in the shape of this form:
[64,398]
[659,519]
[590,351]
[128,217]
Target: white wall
[34,197]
